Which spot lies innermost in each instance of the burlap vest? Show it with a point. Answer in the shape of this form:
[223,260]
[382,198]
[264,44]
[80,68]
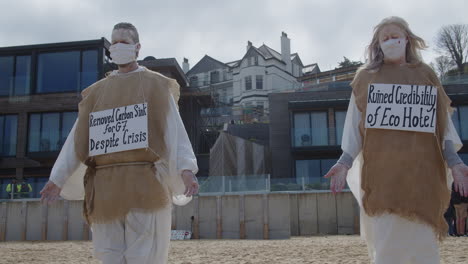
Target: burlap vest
[111,191]
[404,173]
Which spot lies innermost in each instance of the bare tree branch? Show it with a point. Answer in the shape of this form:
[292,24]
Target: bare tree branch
[452,41]
[442,65]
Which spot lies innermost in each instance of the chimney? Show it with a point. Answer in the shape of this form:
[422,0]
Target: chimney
[286,51]
[249,44]
[185,65]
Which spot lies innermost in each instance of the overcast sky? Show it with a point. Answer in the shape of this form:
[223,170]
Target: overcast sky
[320,31]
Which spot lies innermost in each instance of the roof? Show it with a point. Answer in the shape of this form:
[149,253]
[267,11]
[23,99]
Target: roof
[59,45]
[311,69]
[269,53]
[296,57]
[233,63]
[338,71]
[206,64]
[167,64]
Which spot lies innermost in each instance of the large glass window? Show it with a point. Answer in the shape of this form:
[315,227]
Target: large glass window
[248,83]
[6,75]
[8,134]
[259,82]
[48,131]
[302,133]
[310,129]
[312,172]
[340,117]
[22,81]
[460,121]
[15,75]
[58,72]
[463,115]
[66,71]
[89,68]
[456,121]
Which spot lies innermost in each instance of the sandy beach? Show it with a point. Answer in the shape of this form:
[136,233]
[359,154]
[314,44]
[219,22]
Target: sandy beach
[323,249]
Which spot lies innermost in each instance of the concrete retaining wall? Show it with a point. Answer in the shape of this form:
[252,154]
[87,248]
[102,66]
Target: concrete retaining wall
[253,216]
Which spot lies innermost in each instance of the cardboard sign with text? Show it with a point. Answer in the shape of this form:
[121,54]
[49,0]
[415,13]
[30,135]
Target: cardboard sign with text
[402,107]
[118,129]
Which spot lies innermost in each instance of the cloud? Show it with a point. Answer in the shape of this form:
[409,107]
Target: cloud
[321,31]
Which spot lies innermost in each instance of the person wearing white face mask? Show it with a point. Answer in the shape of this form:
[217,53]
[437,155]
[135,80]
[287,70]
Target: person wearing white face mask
[130,149]
[399,175]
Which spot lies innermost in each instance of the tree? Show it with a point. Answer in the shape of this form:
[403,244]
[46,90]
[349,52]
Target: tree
[442,65]
[347,63]
[452,40]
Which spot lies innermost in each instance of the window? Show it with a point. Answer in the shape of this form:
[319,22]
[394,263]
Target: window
[340,117]
[248,83]
[89,68]
[460,121]
[205,79]
[464,157]
[225,75]
[260,108]
[256,60]
[6,75]
[66,71]
[48,131]
[8,134]
[15,75]
[310,129]
[214,77]
[312,172]
[194,81]
[259,81]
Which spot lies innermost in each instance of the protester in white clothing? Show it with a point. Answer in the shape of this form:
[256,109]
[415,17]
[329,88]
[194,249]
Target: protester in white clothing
[399,171]
[130,149]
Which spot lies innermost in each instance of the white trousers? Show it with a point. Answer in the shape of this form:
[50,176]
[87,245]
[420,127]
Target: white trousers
[141,238]
[392,239]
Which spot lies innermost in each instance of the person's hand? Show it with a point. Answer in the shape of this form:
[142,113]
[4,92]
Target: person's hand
[337,175]
[460,179]
[50,192]
[191,183]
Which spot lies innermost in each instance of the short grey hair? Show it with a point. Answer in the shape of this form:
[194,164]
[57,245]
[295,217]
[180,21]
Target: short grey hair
[131,29]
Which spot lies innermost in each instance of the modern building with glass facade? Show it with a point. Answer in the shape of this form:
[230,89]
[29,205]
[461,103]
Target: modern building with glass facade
[40,88]
[306,130]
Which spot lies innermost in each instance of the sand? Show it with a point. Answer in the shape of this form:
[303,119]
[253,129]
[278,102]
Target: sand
[325,249]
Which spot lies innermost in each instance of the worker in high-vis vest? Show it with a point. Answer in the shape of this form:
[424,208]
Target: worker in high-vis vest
[128,156]
[13,189]
[24,189]
[399,149]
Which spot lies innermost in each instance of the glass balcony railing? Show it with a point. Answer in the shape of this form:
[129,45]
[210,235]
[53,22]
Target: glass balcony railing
[263,183]
[455,79]
[216,111]
[212,185]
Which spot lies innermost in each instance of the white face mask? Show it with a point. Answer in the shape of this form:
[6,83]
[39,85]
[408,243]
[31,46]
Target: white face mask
[123,53]
[394,48]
